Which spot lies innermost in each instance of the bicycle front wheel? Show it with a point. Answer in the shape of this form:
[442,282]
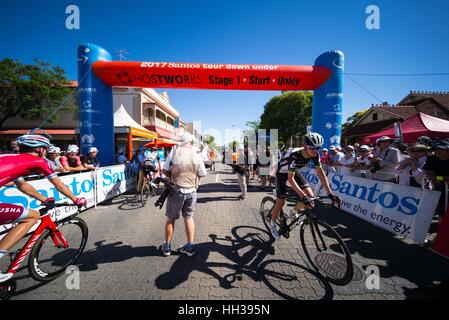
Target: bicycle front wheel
[326,251]
[47,261]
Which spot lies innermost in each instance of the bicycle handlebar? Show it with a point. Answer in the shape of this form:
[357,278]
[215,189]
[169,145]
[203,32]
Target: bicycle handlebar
[318,198]
[49,206]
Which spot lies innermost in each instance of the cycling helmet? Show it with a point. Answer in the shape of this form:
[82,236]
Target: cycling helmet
[313,139]
[72,148]
[54,149]
[33,141]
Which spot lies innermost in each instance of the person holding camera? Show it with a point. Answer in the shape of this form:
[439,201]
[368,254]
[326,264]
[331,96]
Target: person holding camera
[385,160]
[184,166]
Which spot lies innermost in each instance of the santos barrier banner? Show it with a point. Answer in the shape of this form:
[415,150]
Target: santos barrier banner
[402,210]
[96,186]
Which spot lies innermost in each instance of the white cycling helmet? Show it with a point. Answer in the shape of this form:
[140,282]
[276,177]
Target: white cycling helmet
[72,148]
[33,141]
[314,139]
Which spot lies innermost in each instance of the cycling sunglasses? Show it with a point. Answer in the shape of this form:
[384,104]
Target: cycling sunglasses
[313,148]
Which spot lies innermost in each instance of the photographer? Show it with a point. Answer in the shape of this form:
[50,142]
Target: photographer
[184,166]
[385,160]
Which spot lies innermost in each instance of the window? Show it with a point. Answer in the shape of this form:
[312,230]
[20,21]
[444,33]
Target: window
[150,113]
[160,115]
[374,116]
[170,121]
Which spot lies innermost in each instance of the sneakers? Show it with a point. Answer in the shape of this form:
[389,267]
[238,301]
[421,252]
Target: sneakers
[166,249]
[274,231]
[188,249]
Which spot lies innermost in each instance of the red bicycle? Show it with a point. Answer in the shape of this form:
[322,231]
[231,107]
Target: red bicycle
[53,246]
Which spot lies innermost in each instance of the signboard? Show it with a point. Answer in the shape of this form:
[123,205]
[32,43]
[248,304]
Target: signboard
[210,76]
[402,210]
[96,186]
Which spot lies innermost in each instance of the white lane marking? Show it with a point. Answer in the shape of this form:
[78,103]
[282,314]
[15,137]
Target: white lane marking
[216,179]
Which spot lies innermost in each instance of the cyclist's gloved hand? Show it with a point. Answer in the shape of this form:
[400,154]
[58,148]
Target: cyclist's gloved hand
[80,202]
[308,202]
[335,199]
[48,201]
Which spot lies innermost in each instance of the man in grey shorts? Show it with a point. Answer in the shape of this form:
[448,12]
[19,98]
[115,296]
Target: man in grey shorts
[184,166]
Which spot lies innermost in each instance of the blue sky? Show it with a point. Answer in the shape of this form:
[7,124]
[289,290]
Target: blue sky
[413,38]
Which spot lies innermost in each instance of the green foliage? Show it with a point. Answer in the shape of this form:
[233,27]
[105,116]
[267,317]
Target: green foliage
[289,112]
[30,91]
[354,118]
[233,145]
[210,141]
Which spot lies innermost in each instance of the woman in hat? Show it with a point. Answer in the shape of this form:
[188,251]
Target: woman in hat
[347,162]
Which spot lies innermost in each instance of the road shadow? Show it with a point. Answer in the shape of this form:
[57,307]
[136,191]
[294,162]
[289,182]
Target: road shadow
[402,263]
[256,245]
[105,253]
[219,198]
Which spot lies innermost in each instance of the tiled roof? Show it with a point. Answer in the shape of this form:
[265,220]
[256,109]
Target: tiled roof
[368,128]
[439,96]
[401,112]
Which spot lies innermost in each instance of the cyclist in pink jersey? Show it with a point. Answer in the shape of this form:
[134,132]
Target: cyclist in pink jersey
[13,167]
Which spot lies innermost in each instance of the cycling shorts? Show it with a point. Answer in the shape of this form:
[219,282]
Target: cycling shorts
[12,213]
[281,184]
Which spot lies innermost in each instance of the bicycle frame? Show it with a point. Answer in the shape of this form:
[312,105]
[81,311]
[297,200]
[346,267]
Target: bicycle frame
[56,235]
[307,213]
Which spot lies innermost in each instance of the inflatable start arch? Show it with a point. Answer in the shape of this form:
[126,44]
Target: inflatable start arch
[97,74]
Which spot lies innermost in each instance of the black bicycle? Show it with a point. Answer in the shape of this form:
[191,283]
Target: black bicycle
[149,189]
[322,245]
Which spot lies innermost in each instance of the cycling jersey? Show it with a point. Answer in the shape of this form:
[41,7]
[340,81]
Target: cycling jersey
[290,162]
[296,160]
[14,166]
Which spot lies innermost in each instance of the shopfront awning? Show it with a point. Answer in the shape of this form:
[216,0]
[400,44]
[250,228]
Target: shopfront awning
[414,127]
[162,143]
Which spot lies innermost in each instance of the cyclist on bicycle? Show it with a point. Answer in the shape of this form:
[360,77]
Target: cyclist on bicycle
[13,167]
[151,162]
[287,171]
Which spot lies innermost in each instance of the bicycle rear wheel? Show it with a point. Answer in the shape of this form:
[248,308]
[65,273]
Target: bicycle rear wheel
[146,193]
[47,261]
[326,251]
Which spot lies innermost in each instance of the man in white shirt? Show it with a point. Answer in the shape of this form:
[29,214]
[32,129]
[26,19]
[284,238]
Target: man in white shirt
[184,166]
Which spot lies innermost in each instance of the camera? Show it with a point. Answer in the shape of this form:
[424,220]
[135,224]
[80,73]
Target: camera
[168,188]
[160,202]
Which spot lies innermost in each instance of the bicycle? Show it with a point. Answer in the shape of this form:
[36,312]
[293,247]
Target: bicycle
[49,259]
[149,189]
[322,245]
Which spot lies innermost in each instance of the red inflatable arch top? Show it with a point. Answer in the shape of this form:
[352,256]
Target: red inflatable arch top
[210,76]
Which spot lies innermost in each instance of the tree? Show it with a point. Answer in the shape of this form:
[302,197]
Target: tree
[233,145]
[210,141]
[289,112]
[253,125]
[30,91]
[353,119]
